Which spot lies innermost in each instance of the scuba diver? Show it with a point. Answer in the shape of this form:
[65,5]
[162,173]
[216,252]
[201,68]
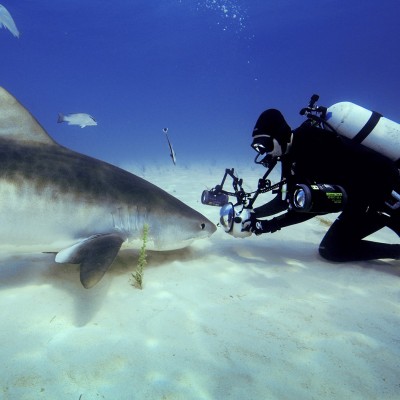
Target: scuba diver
[310,155]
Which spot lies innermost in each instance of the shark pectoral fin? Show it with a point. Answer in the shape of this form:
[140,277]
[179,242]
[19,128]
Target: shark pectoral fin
[100,255]
[94,254]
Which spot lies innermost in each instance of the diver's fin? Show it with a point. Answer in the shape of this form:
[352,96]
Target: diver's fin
[94,254]
[17,123]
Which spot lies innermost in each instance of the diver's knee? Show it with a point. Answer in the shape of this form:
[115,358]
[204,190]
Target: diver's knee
[330,254]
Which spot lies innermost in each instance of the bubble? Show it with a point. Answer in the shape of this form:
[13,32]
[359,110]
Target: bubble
[232,14]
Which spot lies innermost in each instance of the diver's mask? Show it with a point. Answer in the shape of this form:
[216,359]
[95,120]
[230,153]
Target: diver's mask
[267,146]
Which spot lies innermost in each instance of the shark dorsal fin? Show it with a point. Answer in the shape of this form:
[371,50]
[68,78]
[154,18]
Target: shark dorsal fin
[17,123]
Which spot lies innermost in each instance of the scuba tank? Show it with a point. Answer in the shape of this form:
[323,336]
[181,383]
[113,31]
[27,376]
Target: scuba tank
[365,127]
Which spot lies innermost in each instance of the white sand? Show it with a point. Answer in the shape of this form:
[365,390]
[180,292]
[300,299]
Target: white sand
[257,318]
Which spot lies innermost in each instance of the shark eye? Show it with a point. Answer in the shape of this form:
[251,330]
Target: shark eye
[202,226]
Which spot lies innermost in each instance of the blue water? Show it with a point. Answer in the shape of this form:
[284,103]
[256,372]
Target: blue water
[257,319]
[205,69]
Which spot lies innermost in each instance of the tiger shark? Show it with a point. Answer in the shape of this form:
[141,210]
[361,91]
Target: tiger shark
[80,208]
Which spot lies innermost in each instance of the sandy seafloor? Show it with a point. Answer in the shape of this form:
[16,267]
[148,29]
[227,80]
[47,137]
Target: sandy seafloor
[256,318]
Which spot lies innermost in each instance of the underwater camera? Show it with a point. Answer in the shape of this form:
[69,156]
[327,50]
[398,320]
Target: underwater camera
[231,219]
[232,215]
[314,198]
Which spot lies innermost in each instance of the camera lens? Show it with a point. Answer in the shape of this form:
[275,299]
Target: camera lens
[299,198]
[227,214]
[205,196]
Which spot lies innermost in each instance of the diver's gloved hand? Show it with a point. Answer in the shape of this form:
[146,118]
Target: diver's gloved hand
[260,226]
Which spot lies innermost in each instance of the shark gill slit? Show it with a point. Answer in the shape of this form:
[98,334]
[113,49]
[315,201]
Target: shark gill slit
[129,220]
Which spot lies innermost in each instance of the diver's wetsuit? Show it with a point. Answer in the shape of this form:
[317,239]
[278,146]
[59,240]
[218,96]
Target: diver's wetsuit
[319,156]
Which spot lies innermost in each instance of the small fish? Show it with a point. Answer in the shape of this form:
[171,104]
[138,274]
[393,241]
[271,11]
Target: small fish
[172,152]
[6,21]
[80,119]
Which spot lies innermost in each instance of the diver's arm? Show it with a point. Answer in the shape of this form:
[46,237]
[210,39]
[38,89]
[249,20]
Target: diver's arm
[278,204]
[292,218]
[275,206]
[259,226]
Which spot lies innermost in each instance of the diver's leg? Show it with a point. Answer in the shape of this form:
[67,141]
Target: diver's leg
[393,222]
[343,241]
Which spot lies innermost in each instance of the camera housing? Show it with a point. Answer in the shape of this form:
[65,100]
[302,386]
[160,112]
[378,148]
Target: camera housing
[232,215]
[232,220]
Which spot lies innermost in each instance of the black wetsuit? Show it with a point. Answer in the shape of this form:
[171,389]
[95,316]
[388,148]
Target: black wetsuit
[320,156]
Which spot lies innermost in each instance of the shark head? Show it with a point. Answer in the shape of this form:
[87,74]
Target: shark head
[79,207]
[171,230]
[171,223]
